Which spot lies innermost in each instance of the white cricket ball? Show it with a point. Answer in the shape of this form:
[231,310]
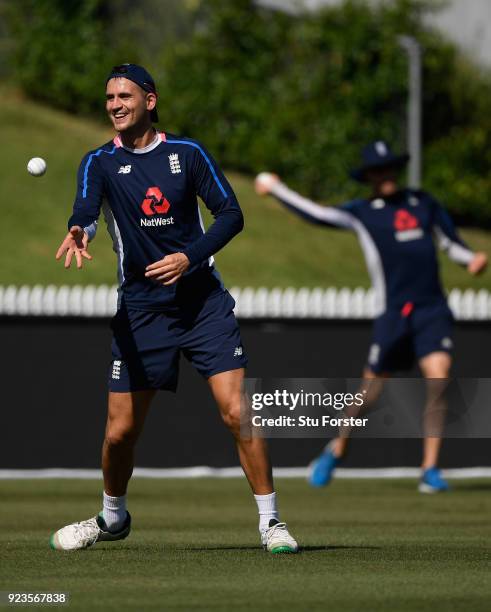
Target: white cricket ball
[264,177]
[266,181]
[36,166]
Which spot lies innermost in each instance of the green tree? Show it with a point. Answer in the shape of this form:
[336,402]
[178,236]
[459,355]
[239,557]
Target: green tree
[302,93]
[60,52]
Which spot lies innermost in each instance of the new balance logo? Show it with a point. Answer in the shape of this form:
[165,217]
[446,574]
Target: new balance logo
[374,354]
[378,203]
[238,351]
[116,373]
[125,169]
[175,166]
[447,343]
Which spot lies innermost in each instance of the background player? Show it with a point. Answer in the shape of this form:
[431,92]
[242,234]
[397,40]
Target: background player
[396,230]
[171,299]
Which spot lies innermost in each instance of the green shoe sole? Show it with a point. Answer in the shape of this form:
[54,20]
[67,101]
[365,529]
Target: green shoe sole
[283,550]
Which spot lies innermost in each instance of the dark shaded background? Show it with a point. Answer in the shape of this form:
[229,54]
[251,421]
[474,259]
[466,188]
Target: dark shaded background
[54,397]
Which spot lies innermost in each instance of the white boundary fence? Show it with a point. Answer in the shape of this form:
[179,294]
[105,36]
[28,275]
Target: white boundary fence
[236,472]
[290,303]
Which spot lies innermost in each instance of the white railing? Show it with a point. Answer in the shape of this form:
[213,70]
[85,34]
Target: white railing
[290,303]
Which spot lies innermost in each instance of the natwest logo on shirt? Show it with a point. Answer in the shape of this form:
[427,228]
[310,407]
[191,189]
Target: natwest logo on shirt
[406,226]
[155,202]
[404,220]
[157,222]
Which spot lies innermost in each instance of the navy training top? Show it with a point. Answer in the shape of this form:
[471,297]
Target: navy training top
[397,237]
[149,200]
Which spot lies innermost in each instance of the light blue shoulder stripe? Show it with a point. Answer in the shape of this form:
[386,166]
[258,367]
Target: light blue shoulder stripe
[210,165]
[89,161]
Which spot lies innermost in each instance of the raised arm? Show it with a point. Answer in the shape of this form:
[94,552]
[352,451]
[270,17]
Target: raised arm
[267,183]
[450,242]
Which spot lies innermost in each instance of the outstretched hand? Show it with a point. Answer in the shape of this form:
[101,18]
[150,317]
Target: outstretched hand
[75,243]
[264,183]
[478,263]
[168,270]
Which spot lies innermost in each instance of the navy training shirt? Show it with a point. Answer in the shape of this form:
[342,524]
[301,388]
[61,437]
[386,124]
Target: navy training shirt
[397,236]
[149,200]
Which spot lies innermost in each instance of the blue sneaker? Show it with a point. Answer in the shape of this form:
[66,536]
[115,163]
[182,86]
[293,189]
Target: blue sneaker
[432,481]
[321,470]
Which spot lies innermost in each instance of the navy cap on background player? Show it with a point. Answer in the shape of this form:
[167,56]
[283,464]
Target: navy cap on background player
[375,155]
[138,75]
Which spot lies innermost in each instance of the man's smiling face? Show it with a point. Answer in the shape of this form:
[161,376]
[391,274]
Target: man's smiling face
[127,104]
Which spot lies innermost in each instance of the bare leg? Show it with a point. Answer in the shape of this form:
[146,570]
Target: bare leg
[435,368]
[125,418]
[227,389]
[372,385]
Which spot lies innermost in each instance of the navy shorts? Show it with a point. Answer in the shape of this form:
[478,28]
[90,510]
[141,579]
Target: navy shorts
[146,345]
[401,336]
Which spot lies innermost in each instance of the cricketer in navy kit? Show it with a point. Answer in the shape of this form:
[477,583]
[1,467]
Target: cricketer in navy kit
[170,300]
[149,200]
[397,229]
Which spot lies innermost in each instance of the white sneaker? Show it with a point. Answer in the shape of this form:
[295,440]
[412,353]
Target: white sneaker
[276,538]
[86,533]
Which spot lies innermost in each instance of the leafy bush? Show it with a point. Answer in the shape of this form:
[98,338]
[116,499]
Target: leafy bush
[302,94]
[60,53]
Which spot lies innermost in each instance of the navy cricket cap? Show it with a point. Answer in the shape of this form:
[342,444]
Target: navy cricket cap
[375,155]
[138,75]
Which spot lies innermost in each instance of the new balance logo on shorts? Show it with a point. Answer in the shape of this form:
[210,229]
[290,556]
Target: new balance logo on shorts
[447,343]
[116,373]
[238,351]
[175,166]
[374,354]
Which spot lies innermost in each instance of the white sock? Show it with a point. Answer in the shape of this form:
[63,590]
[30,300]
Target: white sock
[114,511]
[266,505]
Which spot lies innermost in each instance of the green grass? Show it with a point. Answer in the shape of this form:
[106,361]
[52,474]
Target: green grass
[276,248]
[367,545]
